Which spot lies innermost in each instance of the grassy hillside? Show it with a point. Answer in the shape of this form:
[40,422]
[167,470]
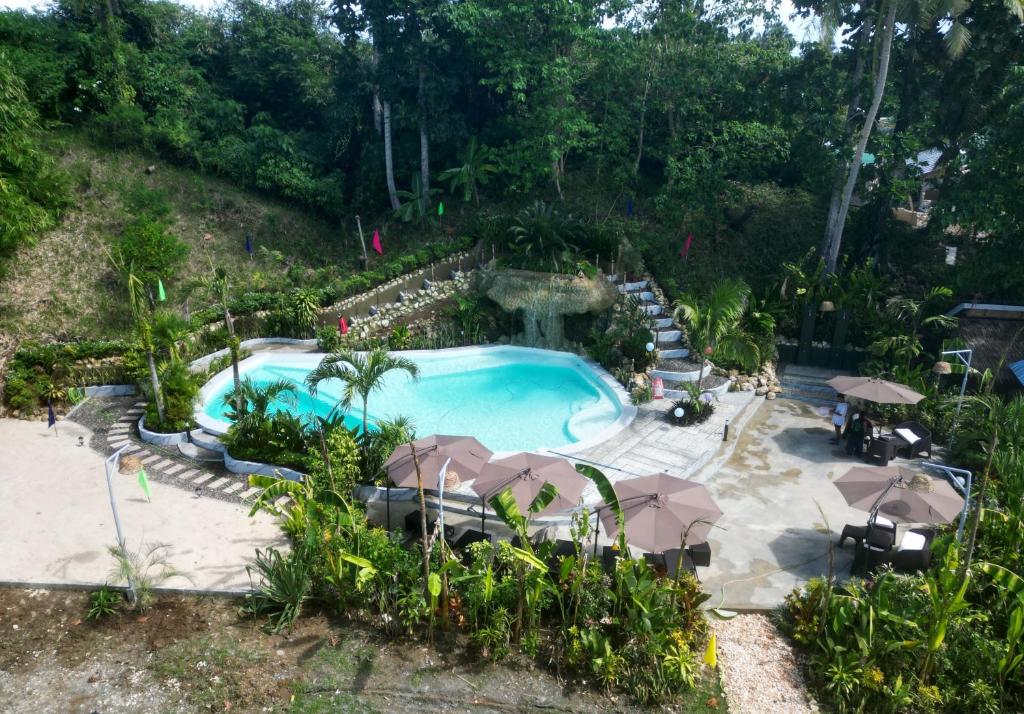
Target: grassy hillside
[64,286]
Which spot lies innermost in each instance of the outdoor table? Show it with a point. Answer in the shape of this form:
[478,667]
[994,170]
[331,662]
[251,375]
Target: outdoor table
[884,448]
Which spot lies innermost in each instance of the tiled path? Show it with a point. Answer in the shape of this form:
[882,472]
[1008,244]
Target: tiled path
[165,464]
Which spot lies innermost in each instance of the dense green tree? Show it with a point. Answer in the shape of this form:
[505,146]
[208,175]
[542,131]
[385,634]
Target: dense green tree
[32,190]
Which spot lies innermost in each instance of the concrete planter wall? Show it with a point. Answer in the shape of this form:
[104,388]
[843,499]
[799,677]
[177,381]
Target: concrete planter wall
[237,466]
[110,390]
[153,437]
[720,389]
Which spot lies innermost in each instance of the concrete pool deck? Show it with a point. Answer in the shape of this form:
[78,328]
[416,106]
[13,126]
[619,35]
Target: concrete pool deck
[772,536]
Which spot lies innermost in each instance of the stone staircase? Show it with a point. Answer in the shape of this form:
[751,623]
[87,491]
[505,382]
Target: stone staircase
[668,336]
[184,468]
[807,384]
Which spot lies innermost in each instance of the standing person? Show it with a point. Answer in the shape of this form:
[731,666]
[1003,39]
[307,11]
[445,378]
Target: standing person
[839,417]
[855,436]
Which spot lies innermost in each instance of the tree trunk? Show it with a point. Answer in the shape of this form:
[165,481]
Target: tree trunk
[856,77]
[640,136]
[423,520]
[233,345]
[388,156]
[424,139]
[836,226]
[976,513]
[155,381]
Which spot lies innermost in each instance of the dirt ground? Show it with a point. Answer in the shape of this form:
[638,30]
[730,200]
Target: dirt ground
[192,654]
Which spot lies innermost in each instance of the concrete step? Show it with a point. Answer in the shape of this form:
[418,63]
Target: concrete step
[219,483]
[663,322]
[674,352]
[654,309]
[632,287]
[666,337]
[233,487]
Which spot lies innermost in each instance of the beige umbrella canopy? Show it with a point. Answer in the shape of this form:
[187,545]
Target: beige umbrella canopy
[875,390]
[659,509]
[900,494]
[467,457]
[525,474]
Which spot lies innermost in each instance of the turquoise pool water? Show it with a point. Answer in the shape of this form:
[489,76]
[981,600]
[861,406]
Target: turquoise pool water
[511,399]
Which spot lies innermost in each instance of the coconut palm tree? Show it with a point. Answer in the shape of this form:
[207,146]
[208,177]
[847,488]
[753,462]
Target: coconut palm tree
[713,324]
[139,304]
[360,373]
[218,285]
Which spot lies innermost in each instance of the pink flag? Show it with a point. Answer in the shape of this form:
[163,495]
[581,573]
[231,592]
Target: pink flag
[658,388]
[342,325]
[686,248]
[376,243]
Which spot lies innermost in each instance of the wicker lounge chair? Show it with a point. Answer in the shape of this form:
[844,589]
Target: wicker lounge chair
[916,440]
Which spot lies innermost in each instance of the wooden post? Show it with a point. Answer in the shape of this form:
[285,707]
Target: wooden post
[362,242]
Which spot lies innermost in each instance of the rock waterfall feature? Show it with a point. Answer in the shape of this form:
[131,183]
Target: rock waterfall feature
[545,298]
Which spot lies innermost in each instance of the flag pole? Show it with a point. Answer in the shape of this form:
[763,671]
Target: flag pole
[362,242]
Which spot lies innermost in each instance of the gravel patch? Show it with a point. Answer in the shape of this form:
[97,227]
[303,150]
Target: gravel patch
[759,670]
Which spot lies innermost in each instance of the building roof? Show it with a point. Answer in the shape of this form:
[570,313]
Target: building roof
[926,160]
[1018,370]
[996,335]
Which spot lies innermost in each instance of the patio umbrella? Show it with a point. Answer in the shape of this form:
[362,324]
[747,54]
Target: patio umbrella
[659,509]
[467,457]
[875,390]
[526,474]
[901,494]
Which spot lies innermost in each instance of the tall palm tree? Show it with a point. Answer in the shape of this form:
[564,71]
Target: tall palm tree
[360,373]
[218,284]
[169,331]
[139,304]
[713,325]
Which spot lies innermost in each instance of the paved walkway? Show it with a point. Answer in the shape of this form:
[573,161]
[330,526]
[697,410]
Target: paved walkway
[772,536]
[56,522]
[650,444]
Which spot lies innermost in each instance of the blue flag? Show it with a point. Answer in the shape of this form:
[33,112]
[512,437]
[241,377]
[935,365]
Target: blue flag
[51,418]
[629,207]
[248,244]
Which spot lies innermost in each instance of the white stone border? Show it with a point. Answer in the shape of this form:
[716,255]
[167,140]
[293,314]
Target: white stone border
[159,438]
[237,466]
[204,362]
[626,414]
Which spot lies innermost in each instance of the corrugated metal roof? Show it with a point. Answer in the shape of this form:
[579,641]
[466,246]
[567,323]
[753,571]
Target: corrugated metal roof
[1018,370]
[926,160]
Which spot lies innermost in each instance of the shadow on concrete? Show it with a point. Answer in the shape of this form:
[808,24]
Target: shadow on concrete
[811,444]
[803,553]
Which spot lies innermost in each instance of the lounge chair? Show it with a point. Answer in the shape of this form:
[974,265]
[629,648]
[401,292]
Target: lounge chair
[469,537]
[915,440]
[700,554]
[882,534]
[673,562]
[414,523]
[608,557]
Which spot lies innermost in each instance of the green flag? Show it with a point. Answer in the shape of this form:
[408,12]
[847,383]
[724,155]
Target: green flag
[440,208]
[160,294]
[144,483]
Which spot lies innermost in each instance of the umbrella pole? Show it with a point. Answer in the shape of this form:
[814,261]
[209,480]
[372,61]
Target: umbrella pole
[483,525]
[872,515]
[388,508]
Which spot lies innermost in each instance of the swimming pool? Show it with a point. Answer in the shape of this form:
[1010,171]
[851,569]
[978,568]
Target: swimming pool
[510,398]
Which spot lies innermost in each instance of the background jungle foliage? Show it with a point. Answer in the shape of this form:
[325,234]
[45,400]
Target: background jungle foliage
[680,115]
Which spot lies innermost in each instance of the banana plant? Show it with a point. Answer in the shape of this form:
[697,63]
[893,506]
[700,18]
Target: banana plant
[611,500]
[946,591]
[507,509]
[1012,587]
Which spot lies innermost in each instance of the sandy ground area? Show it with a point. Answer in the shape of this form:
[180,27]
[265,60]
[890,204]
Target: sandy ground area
[56,523]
